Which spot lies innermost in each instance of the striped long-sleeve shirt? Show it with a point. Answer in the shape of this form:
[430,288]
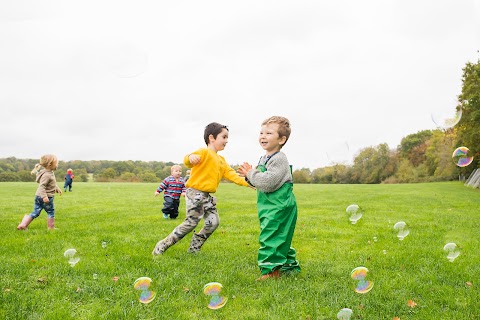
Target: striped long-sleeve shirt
[171,187]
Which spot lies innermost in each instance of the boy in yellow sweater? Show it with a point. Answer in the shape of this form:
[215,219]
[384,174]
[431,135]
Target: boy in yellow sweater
[208,169]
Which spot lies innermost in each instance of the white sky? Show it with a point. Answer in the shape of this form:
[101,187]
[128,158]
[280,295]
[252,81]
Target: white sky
[139,80]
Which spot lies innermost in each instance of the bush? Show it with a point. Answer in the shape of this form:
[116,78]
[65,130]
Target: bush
[9,177]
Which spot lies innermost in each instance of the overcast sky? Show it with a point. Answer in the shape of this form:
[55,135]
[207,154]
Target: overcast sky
[139,80]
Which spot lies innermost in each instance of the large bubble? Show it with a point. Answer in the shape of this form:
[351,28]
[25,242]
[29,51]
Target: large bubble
[126,60]
[362,285]
[344,314]
[70,254]
[447,120]
[402,229]
[213,290]
[452,251]
[355,212]
[462,156]
[142,284]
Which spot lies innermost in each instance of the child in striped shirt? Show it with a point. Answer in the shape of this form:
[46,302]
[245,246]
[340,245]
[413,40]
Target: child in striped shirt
[173,187]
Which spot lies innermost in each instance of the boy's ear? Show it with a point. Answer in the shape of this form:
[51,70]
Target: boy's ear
[282,140]
[211,138]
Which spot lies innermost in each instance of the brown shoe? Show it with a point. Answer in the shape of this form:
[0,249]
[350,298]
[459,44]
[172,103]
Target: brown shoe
[271,275]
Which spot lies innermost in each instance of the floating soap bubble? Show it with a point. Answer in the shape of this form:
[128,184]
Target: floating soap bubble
[447,120]
[355,213]
[359,274]
[126,60]
[213,289]
[142,284]
[462,156]
[70,254]
[104,244]
[452,250]
[344,314]
[402,229]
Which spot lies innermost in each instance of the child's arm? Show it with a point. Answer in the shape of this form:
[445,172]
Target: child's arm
[231,175]
[184,190]
[278,172]
[193,158]
[161,187]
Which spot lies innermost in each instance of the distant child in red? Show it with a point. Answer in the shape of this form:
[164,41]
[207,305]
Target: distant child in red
[68,180]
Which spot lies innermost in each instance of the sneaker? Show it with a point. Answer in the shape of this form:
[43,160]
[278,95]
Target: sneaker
[271,275]
[165,216]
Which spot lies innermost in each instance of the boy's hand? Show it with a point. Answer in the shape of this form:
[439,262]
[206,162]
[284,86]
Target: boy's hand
[46,200]
[183,194]
[194,159]
[244,169]
[157,193]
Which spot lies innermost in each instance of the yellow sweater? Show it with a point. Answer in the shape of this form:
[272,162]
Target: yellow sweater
[207,174]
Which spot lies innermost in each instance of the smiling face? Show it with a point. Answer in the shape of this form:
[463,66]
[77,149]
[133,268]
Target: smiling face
[269,138]
[218,143]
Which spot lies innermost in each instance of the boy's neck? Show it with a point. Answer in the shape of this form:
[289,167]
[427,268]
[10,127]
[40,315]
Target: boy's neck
[212,147]
[269,153]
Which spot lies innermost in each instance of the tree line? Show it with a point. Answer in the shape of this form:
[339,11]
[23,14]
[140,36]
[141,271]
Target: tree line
[424,156]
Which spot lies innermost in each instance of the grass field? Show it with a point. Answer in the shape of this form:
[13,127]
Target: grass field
[38,283]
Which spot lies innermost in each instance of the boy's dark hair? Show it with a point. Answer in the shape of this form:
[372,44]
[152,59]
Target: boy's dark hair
[213,129]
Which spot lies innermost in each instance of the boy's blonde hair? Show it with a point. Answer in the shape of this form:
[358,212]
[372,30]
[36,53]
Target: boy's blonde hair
[46,161]
[284,129]
[175,166]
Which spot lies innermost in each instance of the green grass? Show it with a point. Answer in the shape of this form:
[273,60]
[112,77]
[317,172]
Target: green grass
[38,283]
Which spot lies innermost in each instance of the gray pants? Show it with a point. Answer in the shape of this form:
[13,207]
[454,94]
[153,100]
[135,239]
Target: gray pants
[199,205]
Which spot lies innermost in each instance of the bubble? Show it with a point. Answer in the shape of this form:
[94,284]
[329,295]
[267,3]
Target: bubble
[126,60]
[375,239]
[95,276]
[402,229]
[462,156]
[70,254]
[359,274]
[213,289]
[104,244]
[447,120]
[452,250]
[142,284]
[355,213]
[344,314]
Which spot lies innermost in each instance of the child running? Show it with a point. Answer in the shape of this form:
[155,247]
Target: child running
[277,207]
[173,187]
[47,186]
[208,169]
[68,181]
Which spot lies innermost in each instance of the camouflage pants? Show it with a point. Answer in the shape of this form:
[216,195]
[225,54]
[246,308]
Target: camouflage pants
[199,205]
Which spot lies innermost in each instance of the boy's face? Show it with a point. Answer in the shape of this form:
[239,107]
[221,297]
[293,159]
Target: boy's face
[219,143]
[176,172]
[269,138]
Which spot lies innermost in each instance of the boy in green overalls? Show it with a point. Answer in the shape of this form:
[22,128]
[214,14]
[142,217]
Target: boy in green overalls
[277,207]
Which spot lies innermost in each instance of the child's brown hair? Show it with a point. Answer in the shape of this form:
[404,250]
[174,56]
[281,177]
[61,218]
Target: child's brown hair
[284,129]
[46,161]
